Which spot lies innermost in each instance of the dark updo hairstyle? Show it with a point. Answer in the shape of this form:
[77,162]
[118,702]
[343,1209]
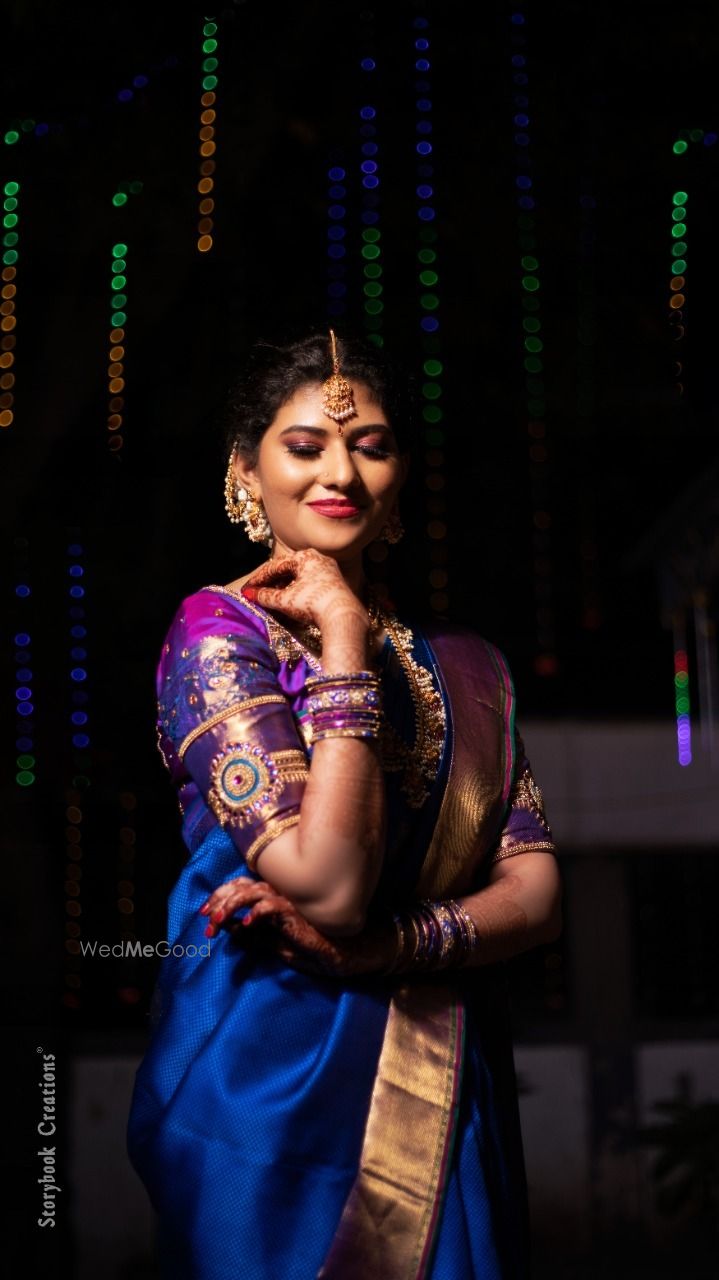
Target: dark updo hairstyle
[274,373]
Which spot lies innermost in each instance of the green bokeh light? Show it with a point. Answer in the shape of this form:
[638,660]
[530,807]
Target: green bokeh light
[119,318]
[679,267]
[680,197]
[25,778]
[432,413]
[530,283]
[530,324]
[431,390]
[209,82]
[433,368]
[427,255]
[119,250]
[119,199]
[10,220]
[373,270]
[679,229]
[374,308]
[209,46]
[680,147]
[11,188]
[371,235]
[11,137]
[428,277]
[372,290]
[429,301]
[370,251]
[534,344]
[118,282]
[529,263]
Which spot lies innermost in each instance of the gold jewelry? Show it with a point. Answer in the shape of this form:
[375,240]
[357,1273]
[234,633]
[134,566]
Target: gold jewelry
[393,530]
[337,393]
[243,507]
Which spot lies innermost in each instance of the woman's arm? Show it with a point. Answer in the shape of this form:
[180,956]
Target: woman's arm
[329,861]
[520,908]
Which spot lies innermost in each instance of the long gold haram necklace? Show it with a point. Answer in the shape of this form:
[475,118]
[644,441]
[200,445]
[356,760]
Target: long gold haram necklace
[419,762]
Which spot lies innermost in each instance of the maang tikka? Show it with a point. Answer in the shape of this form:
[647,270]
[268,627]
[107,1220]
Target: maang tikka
[337,394]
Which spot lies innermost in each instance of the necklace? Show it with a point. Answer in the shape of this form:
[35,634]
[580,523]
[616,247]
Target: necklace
[418,763]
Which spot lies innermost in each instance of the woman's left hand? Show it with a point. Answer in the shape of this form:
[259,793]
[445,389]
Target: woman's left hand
[292,937]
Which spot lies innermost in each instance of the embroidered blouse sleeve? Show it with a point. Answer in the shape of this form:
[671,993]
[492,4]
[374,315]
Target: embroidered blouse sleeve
[224,720]
[525,828]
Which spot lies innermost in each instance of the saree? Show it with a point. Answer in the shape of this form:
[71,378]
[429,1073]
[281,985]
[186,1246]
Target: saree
[293,1126]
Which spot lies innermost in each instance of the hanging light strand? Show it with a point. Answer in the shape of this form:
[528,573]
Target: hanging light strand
[116,347]
[545,663]
[369,165]
[79,744]
[208,146]
[25,760]
[428,297]
[336,236]
[8,319]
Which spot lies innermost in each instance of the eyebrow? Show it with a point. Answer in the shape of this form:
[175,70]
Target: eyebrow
[323,431]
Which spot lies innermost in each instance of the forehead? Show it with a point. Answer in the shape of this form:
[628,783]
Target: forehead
[306,408]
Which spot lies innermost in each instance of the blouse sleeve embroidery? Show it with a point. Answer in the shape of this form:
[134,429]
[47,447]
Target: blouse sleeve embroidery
[526,828]
[223,718]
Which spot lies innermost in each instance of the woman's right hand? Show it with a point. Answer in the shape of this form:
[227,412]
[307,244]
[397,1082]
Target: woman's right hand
[308,586]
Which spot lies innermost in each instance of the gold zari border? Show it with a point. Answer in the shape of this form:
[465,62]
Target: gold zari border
[275,828]
[219,716]
[527,847]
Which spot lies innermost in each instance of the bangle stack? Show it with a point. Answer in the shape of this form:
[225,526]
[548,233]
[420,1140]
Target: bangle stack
[345,705]
[435,935]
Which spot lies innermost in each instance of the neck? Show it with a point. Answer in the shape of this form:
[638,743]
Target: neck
[352,569]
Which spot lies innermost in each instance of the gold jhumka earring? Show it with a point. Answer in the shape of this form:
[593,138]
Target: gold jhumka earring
[337,393]
[243,507]
[393,530]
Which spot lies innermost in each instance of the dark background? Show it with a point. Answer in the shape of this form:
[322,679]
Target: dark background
[630,477]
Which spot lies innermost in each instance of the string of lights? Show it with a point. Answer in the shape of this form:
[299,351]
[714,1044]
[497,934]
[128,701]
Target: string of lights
[371,250]
[116,349]
[336,235]
[79,743]
[545,663]
[8,319]
[591,613]
[681,697]
[208,115]
[25,760]
[427,277]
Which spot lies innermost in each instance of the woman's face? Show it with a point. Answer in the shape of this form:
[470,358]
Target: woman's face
[322,489]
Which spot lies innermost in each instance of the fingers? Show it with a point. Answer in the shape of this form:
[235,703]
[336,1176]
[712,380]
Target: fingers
[228,898]
[271,905]
[273,569]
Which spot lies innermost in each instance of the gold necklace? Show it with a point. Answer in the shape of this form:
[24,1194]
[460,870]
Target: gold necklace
[419,762]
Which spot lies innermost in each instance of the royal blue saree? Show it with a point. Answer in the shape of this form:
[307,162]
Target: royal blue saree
[289,1126]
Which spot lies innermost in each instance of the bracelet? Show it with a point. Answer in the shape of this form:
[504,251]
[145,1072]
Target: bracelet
[434,936]
[345,705]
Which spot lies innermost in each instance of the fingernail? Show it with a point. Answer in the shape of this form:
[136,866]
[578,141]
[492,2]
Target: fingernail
[248,918]
[250,593]
[217,916]
[209,931]
[204,910]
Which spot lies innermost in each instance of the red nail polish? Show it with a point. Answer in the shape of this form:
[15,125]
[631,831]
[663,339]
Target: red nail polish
[217,916]
[210,931]
[247,919]
[204,910]
[250,593]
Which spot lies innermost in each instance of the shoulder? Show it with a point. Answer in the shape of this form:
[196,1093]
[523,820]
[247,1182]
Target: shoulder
[459,643]
[471,665]
[210,620]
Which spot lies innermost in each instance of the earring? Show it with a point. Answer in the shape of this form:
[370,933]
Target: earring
[245,508]
[393,530]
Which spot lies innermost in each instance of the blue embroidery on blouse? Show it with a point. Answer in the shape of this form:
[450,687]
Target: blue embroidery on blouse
[210,677]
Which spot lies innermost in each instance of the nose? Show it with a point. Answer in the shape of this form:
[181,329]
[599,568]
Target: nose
[339,471]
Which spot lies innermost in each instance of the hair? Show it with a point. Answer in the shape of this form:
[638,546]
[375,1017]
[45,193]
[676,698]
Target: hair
[273,374]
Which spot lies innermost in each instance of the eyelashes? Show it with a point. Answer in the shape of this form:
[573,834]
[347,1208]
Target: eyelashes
[311,451]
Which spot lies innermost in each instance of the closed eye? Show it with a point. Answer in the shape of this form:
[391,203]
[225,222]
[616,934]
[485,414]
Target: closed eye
[311,450]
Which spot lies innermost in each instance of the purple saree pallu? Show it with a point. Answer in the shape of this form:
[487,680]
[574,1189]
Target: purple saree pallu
[288,1126]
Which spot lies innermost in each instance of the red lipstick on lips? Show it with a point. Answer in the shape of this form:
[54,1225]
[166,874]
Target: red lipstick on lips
[334,508]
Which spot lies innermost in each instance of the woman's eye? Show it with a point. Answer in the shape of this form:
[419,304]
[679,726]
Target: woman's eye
[373,451]
[303,450]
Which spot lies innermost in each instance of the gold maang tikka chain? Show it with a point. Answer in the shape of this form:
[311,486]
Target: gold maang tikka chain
[337,394]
